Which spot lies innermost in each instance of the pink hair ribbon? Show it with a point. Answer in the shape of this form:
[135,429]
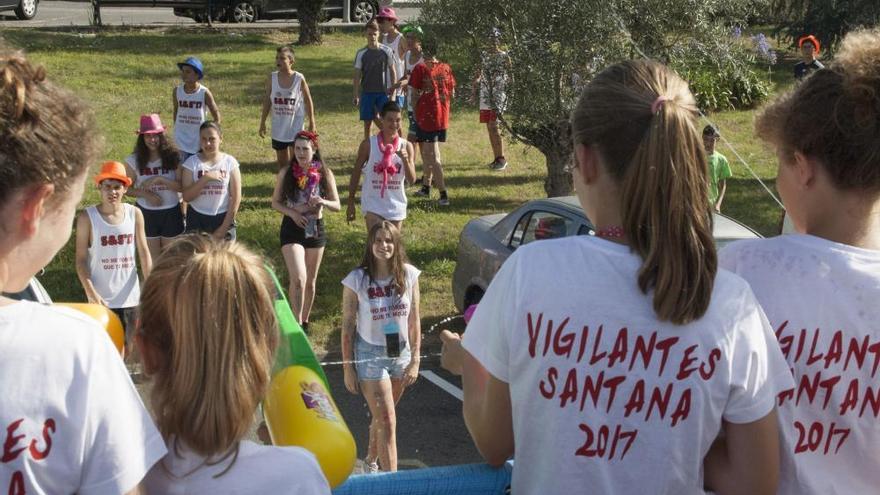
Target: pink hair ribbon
[655,107]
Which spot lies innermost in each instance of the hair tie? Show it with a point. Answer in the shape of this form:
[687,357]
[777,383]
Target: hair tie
[655,107]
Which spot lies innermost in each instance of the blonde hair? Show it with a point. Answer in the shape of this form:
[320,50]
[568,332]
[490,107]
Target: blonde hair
[834,115]
[46,133]
[207,312]
[658,159]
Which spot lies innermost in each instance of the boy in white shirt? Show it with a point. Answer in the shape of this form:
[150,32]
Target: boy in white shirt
[108,236]
[191,102]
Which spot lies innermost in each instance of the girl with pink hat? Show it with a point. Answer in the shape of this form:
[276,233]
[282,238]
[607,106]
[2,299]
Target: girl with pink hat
[154,168]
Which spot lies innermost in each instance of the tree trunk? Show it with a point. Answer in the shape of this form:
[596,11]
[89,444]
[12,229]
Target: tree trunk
[309,30]
[558,182]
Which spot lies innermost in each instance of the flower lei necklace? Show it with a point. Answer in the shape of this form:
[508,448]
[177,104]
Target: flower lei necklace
[306,179]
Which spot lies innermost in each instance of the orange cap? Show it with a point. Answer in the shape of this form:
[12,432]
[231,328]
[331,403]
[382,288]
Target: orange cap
[113,170]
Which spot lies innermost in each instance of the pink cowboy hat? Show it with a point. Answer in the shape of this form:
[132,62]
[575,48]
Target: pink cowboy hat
[151,124]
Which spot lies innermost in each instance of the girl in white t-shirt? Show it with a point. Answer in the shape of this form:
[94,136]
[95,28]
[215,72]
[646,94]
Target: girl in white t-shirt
[212,187]
[625,361]
[155,169]
[302,190]
[210,365]
[820,287]
[386,162]
[289,100]
[381,335]
[71,420]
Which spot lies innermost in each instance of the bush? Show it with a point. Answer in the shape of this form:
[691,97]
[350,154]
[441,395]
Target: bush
[729,75]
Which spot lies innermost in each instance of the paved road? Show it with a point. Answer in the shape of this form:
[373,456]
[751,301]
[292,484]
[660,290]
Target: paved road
[63,14]
[430,428]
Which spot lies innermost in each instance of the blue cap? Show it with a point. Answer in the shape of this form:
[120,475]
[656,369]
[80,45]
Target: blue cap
[195,63]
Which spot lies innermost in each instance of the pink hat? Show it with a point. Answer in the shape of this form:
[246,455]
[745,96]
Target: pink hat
[386,13]
[151,124]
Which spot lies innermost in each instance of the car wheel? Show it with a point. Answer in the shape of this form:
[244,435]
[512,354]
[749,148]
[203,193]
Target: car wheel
[242,11]
[362,11]
[26,10]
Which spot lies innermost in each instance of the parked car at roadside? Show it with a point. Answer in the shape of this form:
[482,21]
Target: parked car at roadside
[24,9]
[361,11]
[486,242]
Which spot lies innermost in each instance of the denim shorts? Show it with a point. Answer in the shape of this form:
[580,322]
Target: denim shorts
[373,363]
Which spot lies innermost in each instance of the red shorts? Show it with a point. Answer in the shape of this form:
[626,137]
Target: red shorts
[487,116]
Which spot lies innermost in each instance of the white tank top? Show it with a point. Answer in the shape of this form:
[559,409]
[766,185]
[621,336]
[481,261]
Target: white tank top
[214,197]
[112,265]
[408,64]
[398,60]
[288,110]
[393,205]
[191,113]
[154,168]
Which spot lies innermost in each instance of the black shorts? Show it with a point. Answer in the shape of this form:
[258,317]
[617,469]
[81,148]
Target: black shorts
[291,233]
[430,137]
[197,222]
[281,145]
[165,223]
[128,317]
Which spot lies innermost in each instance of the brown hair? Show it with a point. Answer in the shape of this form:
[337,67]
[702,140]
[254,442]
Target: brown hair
[658,160]
[834,115]
[288,50]
[46,133]
[398,259]
[168,153]
[372,24]
[207,315]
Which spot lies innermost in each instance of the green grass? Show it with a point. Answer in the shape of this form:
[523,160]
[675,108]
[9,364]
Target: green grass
[126,73]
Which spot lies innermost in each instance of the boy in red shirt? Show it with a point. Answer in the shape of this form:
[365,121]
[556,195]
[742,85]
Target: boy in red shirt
[433,87]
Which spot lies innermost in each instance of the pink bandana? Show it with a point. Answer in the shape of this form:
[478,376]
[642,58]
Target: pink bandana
[386,166]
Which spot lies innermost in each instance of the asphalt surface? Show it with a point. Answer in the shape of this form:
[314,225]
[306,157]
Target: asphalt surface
[430,428]
[66,14]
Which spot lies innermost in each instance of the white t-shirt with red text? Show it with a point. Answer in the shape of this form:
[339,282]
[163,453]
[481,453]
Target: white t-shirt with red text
[823,301]
[71,421]
[604,395]
[112,264]
[214,197]
[153,169]
[192,111]
[380,307]
[256,469]
[390,202]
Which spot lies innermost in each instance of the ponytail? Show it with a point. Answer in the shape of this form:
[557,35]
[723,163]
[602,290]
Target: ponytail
[639,115]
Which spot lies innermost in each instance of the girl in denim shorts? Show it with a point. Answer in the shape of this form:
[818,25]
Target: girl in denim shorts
[381,335]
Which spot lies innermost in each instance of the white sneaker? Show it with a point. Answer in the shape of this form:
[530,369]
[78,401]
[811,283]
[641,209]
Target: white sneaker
[499,165]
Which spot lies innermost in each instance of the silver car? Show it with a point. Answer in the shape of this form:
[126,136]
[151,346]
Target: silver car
[487,241]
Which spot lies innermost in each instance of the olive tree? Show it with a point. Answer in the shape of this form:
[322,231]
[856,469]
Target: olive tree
[828,20]
[557,46]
